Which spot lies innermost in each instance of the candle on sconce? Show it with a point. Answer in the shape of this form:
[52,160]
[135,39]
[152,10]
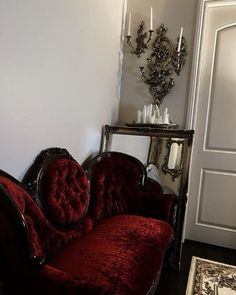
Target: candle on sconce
[144,114]
[180,39]
[151,20]
[129,24]
[179,155]
[173,156]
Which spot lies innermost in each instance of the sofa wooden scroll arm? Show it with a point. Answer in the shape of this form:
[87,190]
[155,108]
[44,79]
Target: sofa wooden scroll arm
[15,228]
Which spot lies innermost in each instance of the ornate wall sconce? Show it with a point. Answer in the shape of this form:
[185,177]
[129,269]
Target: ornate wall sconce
[174,158]
[164,59]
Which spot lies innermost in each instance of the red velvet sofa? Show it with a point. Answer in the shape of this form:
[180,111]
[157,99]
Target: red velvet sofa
[67,231]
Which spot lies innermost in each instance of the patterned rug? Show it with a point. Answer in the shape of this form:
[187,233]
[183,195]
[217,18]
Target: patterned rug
[207,277]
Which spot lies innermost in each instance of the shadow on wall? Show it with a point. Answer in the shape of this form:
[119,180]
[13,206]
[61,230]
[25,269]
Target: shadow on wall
[128,109]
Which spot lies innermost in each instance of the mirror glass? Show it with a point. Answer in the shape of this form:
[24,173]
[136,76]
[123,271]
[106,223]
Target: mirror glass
[161,156]
[136,146]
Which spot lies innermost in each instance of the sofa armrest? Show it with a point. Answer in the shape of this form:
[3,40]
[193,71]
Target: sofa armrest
[156,204]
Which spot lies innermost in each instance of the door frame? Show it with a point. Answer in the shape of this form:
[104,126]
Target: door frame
[195,76]
[193,98]
[193,90]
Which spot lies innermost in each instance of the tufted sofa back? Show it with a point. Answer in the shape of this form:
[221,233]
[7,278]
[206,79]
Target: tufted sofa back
[61,187]
[116,185]
[63,191]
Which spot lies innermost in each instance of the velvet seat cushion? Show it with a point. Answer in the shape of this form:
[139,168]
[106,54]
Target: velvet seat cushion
[122,255]
[64,192]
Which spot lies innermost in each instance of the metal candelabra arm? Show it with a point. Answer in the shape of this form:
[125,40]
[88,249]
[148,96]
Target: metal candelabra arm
[178,59]
[142,40]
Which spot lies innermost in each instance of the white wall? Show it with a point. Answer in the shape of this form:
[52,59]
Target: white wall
[134,92]
[59,62]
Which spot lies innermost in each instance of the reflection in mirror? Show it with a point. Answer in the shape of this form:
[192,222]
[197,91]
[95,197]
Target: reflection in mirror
[155,149]
[136,146]
[153,172]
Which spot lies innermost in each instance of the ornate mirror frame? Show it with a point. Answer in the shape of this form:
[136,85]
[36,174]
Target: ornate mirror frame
[158,154]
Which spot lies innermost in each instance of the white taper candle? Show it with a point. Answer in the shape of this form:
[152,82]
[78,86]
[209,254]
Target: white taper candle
[129,24]
[151,20]
[180,39]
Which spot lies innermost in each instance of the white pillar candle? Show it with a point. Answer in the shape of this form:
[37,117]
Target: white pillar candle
[139,117]
[152,119]
[129,24]
[158,111]
[166,116]
[151,20]
[173,156]
[160,119]
[180,39]
[149,113]
[145,114]
[179,155]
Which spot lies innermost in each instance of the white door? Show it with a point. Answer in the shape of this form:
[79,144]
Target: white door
[211,214]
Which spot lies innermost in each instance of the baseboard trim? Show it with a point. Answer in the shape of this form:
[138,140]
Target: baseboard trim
[197,243]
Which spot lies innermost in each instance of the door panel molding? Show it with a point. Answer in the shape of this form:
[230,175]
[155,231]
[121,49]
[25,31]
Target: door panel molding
[211,224]
[216,227]
[213,76]
[194,89]
[218,150]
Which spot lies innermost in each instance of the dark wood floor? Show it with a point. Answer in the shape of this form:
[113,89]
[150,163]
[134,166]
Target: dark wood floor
[174,282]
